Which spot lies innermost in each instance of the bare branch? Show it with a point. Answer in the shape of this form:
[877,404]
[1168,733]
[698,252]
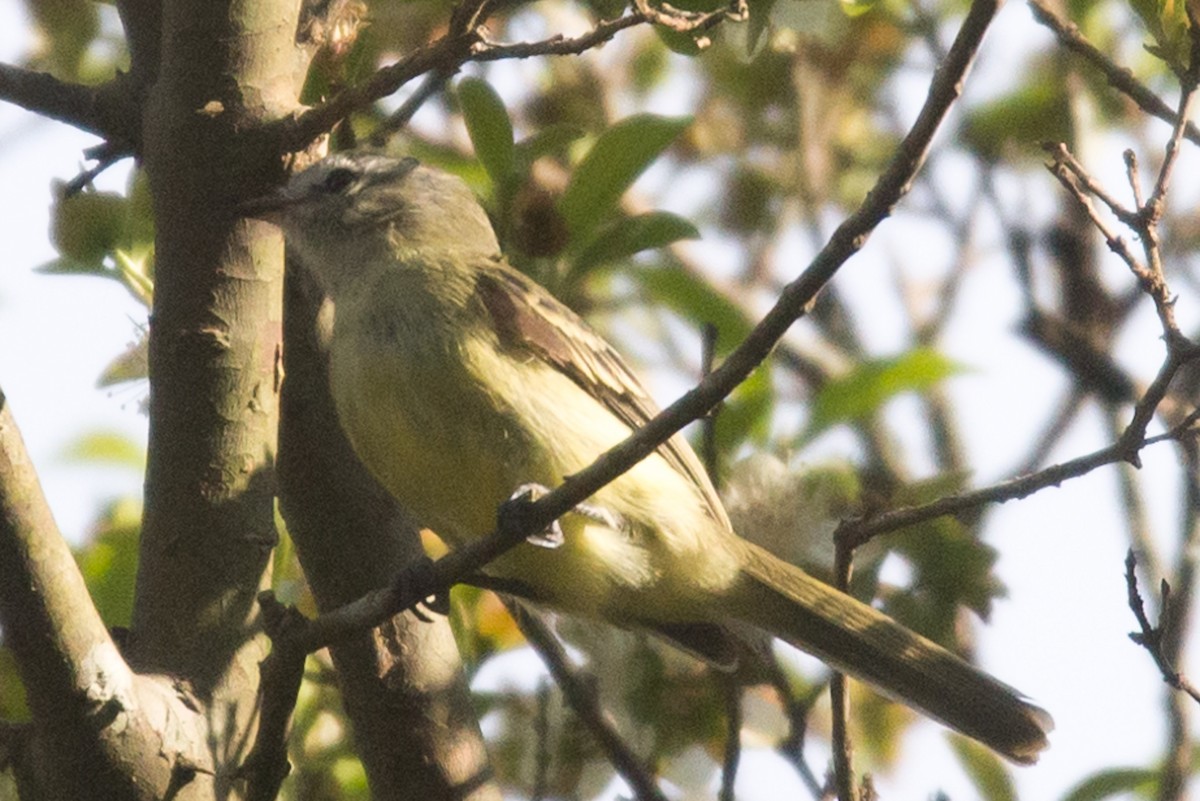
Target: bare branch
[858,531]
[519,518]
[61,646]
[844,779]
[560,45]
[42,93]
[1120,78]
[733,737]
[1150,636]
[580,693]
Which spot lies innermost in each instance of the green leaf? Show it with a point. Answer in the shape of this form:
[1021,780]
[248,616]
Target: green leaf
[1117,781]
[985,769]
[109,561]
[489,126]
[133,364]
[869,386]
[695,300]
[856,8]
[107,447]
[1020,120]
[613,163]
[88,225]
[551,140]
[1168,23]
[746,414]
[68,266]
[622,238]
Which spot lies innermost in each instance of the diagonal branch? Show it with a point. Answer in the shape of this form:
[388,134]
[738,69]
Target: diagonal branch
[860,531]
[518,519]
[42,93]
[60,643]
[1120,78]
[445,56]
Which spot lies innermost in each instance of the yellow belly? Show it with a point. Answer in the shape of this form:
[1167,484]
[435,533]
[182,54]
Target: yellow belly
[452,446]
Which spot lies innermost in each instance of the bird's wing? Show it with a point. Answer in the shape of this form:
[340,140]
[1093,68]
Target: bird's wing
[527,317]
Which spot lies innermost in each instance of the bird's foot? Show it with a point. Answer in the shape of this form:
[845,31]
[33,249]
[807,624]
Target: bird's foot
[414,579]
[552,536]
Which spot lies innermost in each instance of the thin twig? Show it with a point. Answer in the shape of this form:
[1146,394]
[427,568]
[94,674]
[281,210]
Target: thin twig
[732,690]
[579,692]
[860,530]
[1150,636]
[796,709]
[1120,78]
[839,694]
[520,518]
[434,82]
[541,731]
[267,765]
[446,55]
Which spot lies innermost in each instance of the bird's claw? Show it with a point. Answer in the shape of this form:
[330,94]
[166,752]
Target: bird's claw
[552,535]
[414,580]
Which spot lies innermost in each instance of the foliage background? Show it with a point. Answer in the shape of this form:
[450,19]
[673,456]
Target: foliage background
[1060,636]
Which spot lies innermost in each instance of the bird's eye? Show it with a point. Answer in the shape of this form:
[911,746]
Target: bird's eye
[339,179]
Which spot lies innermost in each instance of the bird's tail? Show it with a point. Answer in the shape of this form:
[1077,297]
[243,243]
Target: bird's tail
[853,637]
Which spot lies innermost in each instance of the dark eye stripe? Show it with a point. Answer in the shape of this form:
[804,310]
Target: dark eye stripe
[339,179]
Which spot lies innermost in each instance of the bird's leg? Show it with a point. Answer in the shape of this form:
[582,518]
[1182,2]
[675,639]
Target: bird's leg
[552,536]
[415,578]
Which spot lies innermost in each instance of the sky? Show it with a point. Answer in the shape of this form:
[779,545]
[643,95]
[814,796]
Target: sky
[1061,636]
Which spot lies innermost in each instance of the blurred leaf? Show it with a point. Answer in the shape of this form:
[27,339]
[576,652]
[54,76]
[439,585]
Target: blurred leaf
[109,561]
[133,364]
[87,226]
[67,266]
[695,300]
[1142,782]
[878,724]
[490,129]
[621,238]
[13,704]
[67,29]
[952,569]
[873,383]
[1021,120]
[551,140]
[856,8]
[106,447]
[987,772]
[758,24]
[611,166]
[746,415]
[1168,23]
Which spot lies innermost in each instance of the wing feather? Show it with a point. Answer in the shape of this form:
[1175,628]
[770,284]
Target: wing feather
[528,318]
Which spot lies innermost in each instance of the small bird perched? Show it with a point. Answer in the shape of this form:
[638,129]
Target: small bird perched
[458,380]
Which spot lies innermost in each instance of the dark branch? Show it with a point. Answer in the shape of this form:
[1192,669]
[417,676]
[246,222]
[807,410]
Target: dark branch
[857,532]
[42,93]
[1150,636]
[518,519]
[1120,78]
[579,692]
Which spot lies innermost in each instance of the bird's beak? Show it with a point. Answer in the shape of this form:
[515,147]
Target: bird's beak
[269,207]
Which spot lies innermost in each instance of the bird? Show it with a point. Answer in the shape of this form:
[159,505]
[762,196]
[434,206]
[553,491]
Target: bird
[459,381]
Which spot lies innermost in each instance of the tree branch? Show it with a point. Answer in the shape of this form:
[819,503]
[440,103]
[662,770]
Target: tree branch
[1120,78]
[861,530]
[580,693]
[84,699]
[61,646]
[1150,636]
[519,518]
[42,93]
